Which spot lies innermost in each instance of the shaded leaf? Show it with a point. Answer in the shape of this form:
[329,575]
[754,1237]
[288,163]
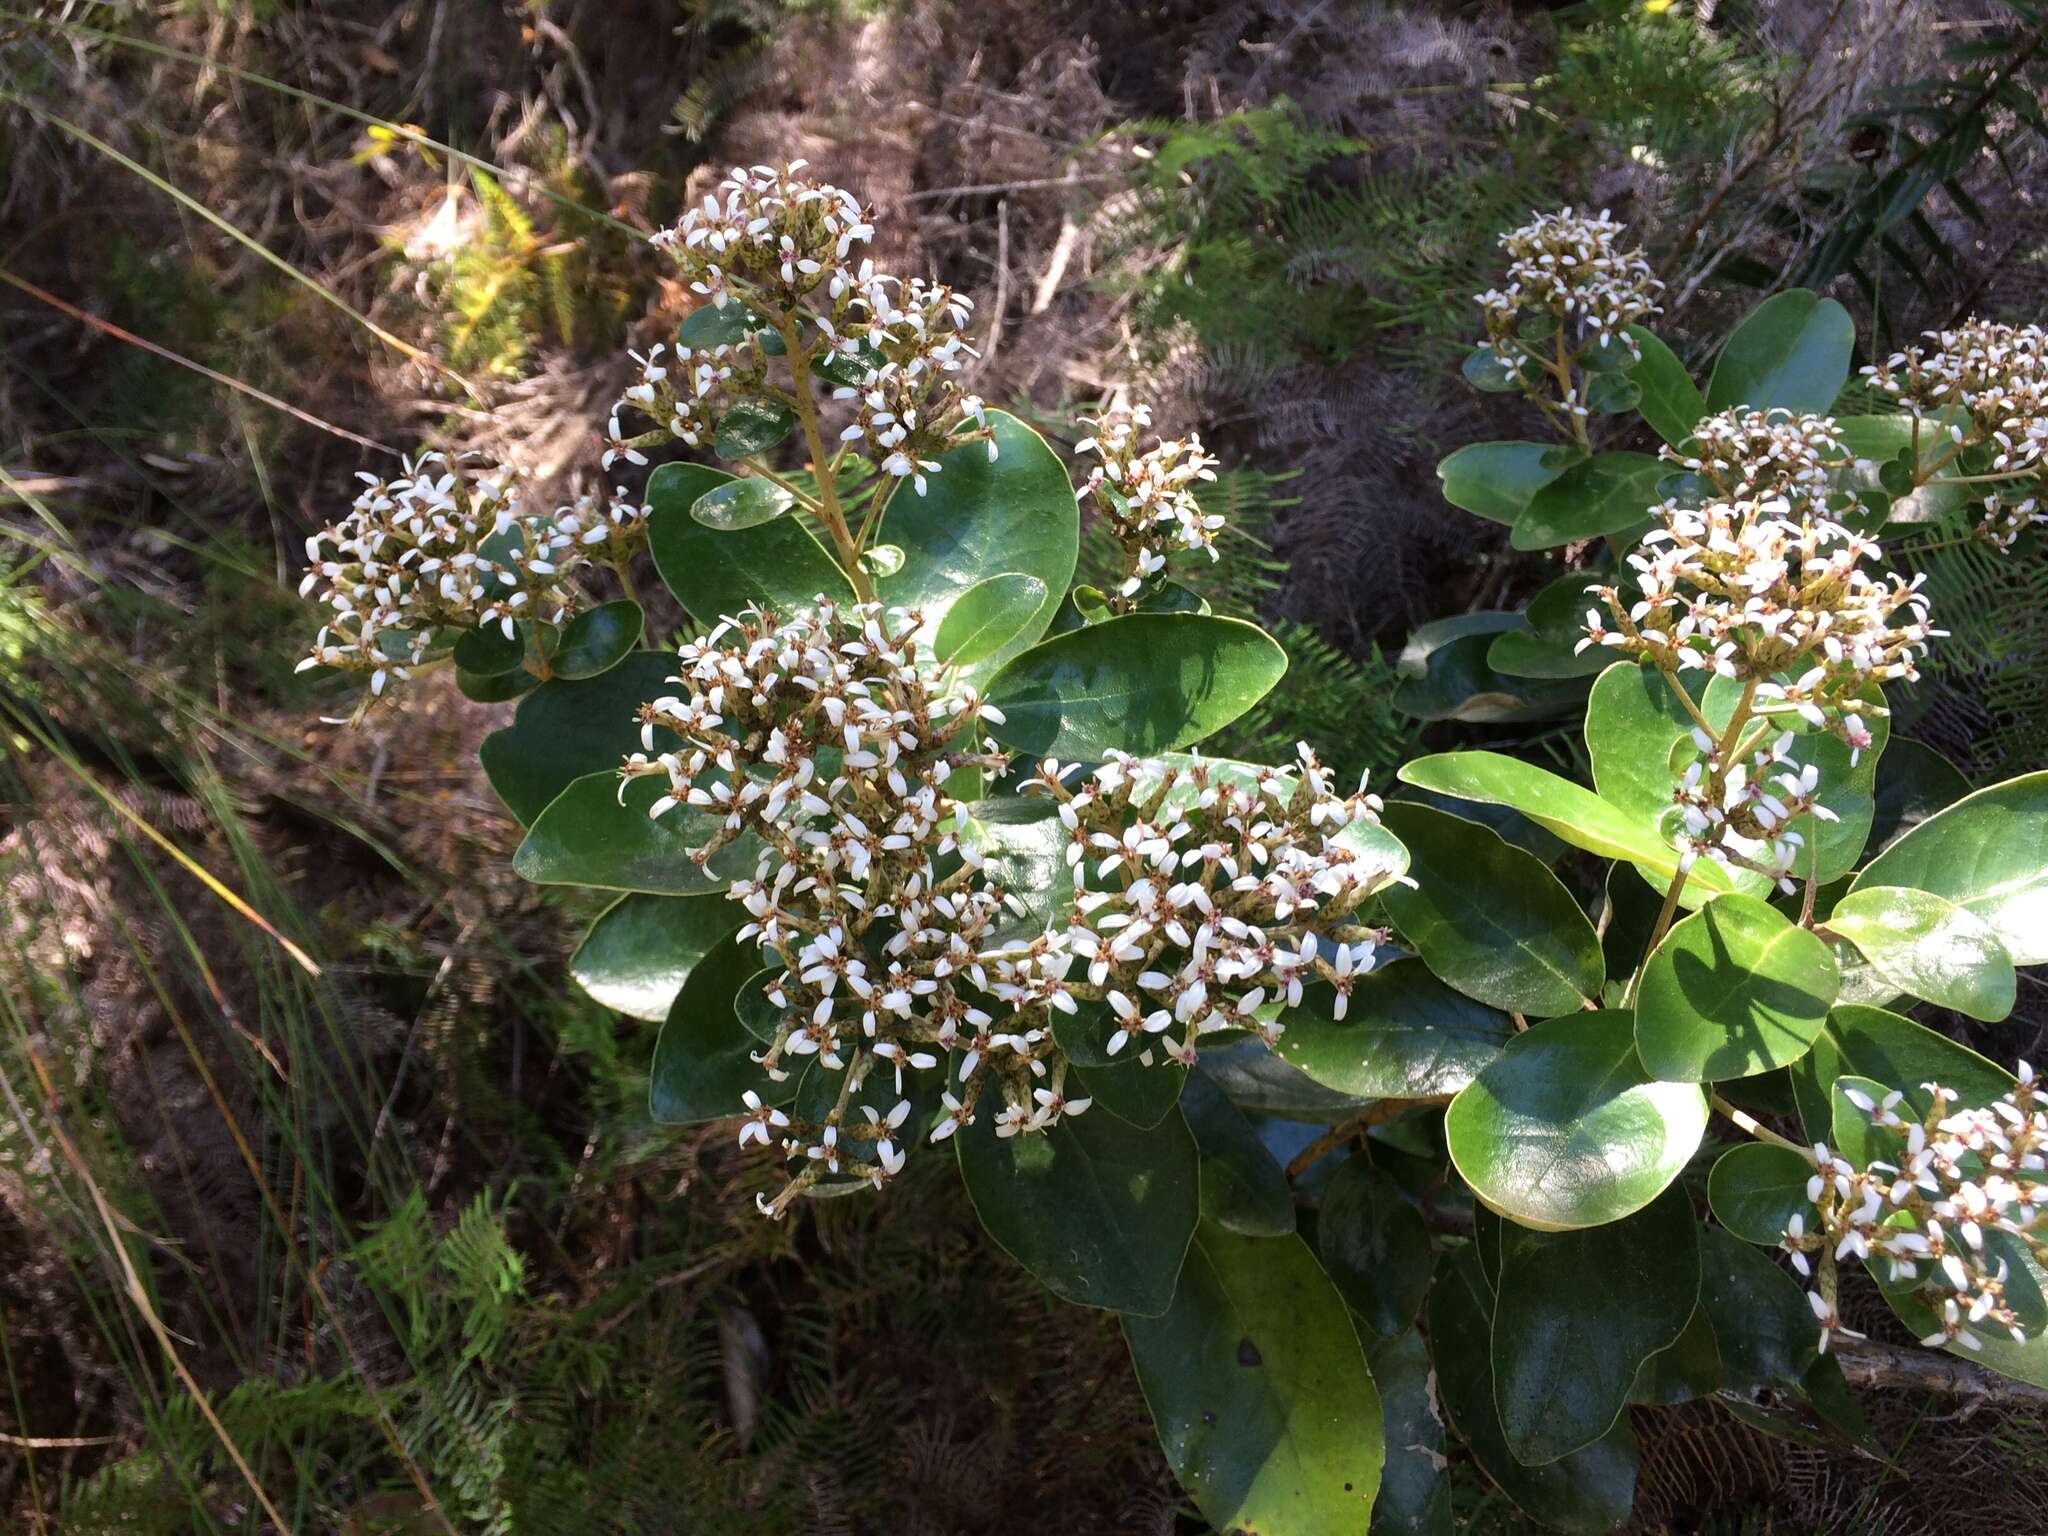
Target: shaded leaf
[640,951]
[1374,1246]
[1733,990]
[1792,350]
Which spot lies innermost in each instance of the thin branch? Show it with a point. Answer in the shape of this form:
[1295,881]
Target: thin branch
[1888,1367]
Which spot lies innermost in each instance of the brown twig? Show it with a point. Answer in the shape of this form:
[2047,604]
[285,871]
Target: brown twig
[1373,1114]
[1889,1367]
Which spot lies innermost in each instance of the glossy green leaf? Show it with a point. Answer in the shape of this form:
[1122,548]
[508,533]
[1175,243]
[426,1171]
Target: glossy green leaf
[487,651]
[1567,1130]
[1571,811]
[737,504]
[1672,404]
[1733,990]
[1415,1496]
[1140,1092]
[1446,674]
[713,573]
[497,688]
[1374,1246]
[1762,1322]
[1685,1370]
[1611,394]
[1490,919]
[564,730]
[1590,1491]
[1483,369]
[1496,480]
[1576,1317]
[1756,1188]
[1871,1042]
[1259,1082]
[980,518]
[702,1057]
[1023,847]
[1100,1211]
[1792,350]
[1142,683]
[987,617]
[590,836]
[1913,783]
[1928,947]
[597,640]
[640,951]
[1987,853]
[1404,1035]
[1244,1190]
[726,325]
[1260,1391]
[748,427]
[1608,493]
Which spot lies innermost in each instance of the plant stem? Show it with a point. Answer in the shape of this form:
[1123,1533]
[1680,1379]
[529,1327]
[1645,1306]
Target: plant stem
[828,509]
[1748,1122]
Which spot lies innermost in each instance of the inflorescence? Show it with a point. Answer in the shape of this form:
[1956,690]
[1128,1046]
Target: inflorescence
[1148,497]
[781,251]
[445,548]
[1761,583]
[1982,389]
[1572,287]
[1955,1216]
[1207,894]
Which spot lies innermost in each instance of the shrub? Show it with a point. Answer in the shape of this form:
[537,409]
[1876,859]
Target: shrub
[911,851]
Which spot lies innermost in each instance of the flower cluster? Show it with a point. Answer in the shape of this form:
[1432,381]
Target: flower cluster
[903,340]
[1148,498]
[444,547]
[1965,1201]
[822,741]
[1207,894]
[773,234]
[1740,810]
[1763,585]
[1572,267]
[784,248]
[1985,387]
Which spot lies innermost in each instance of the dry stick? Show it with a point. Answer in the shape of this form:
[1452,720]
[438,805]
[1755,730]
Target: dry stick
[107,327]
[1887,1366]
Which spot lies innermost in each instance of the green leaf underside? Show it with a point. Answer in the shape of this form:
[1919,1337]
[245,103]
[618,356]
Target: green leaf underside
[1566,1351]
[1671,403]
[1243,1189]
[1985,854]
[1490,919]
[1792,350]
[641,950]
[1567,1130]
[1374,1246]
[1589,1491]
[1869,1042]
[1496,480]
[598,639]
[1756,1188]
[1260,1391]
[1929,947]
[1141,683]
[703,1057]
[1733,990]
[980,518]
[564,730]
[715,573]
[1571,811]
[1608,493]
[1099,1210]
[589,835]
[1405,1035]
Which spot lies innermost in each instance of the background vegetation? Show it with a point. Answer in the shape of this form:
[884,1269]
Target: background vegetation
[327,1201]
